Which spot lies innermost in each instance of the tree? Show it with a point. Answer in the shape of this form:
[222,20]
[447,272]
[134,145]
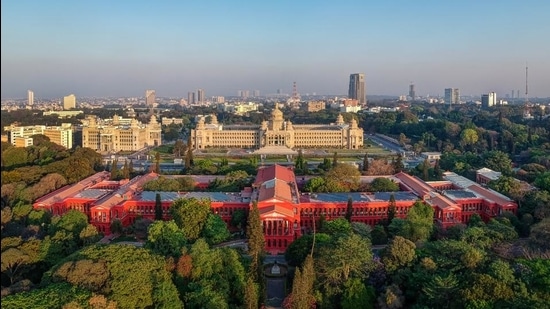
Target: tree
[89,235]
[131,168]
[302,286]
[157,162]
[251,297]
[114,169]
[349,209]
[238,218]
[540,234]
[357,295]
[179,148]
[190,215]
[382,184]
[468,137]
[337,227]
[189,155]
[426,170]
[391,209]
[300,163]
[126,171]
[256,240]
[348,257]
[141,227]
[215,230]
[335,160]
[165,238]
[116,226]
[366,162]
[379,235]
[344,176]
[419,222]
[12,262]
[498,161]
[399,253]
[158,207]
[398,165]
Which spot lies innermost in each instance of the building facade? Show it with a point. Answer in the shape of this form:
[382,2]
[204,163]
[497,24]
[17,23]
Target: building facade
[452,96]
[285,212]
[489,100]
[356,89]
[277,132]
[61,135]
[150,97]
[120,135]
[200,96]
[69,102]
[315,106]
[30,98]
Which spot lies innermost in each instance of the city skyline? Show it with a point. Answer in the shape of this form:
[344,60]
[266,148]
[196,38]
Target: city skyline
[106,49]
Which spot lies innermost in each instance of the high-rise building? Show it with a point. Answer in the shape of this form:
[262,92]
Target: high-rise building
[245,94]
[452,96]
[200,96]
[256,93]
[357,88]
[488,100]
[69,102]
[189,97]
[30,98]
[150,97]
[412,92]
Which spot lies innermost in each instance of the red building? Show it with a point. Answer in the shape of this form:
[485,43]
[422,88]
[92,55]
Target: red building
[286,213]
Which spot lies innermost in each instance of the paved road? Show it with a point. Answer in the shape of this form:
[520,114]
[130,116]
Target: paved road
[386,144]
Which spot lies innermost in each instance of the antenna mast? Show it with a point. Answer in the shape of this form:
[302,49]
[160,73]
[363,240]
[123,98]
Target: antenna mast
[526,83]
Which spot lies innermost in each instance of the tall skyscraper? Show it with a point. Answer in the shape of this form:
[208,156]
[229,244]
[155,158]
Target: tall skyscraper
[190,97]
[452,96]
[412,92]
[69,102]
[200,96]
[30,98]
[488,100]
[357,88]
[256,93]
[150,97]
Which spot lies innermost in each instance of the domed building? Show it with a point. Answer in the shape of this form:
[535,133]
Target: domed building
[279,133]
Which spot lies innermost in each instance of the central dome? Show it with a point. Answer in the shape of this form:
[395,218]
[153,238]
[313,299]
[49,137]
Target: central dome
[276,114]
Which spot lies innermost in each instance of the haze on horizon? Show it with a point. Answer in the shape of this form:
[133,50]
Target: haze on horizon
[121,48]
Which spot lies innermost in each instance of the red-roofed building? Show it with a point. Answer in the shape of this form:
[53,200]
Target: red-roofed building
[285,213]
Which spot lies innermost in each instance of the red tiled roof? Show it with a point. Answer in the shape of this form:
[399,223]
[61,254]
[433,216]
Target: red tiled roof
[276,208]
[125,192]
[275,188]
[71,190]
[416,184]
[492,195]
[441,201]
[272,172]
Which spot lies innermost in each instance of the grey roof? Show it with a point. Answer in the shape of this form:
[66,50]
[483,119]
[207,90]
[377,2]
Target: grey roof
[92,193]
[362,197]
[459,194]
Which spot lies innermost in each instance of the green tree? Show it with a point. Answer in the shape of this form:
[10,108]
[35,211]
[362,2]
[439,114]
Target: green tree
[349,209]
[189,155]
[158,207]
[498,161]
[357,295]
[399,253]
[391,209]
[382,184]
[116,226]
[344,176]
[379,235]
[426,170]
[157,162]
[442,291]
[165,238]
[468,137]
[251,297]
[114,169]
[398,165]
[366,162]
[300,163]
[179,148]
[335,160]
[238,218]
[256,241]
[190,215]
[337,227]
[89,235]
[215,230]
[131,168]
[419,222]
[302,286]
[125,170]
[348,257]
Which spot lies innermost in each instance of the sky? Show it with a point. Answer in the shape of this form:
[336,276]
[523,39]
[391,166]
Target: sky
[122,48]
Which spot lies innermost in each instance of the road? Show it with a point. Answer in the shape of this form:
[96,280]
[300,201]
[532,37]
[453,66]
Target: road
[386,144]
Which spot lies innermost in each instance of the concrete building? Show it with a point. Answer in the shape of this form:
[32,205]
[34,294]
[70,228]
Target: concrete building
[69,102]
[168,121]
[357,88]
[200,96]
[489,100]
[63,114]
[114,135]
[61,135]
[452,96]
[277,132]
[30,98]
[315,106]
[23,142]
[150,97]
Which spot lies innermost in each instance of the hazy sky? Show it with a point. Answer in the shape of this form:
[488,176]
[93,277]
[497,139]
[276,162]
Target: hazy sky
[122,48]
